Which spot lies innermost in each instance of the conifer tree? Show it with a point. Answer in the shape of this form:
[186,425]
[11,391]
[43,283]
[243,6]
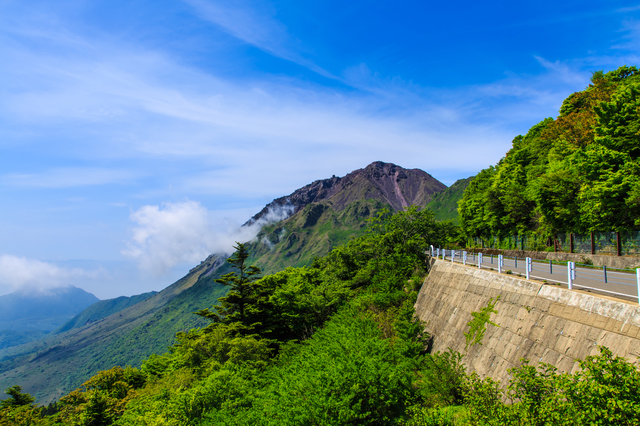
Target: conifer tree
[238,306]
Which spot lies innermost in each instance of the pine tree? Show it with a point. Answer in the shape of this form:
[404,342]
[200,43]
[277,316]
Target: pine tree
[239,305]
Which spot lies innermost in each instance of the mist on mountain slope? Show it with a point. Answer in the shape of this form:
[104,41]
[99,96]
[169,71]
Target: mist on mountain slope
[187,232]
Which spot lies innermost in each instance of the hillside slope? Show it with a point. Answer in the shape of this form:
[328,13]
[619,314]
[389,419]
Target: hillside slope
[57,364]
[27,316]
[445,203]
[103,309]
[326,213]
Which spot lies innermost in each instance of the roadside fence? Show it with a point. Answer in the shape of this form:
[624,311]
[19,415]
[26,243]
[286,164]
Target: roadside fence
[616,282]
[613,243]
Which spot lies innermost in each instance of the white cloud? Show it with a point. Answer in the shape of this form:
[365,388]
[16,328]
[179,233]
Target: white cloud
[255,137]
[20,273]
[254,23]
[186,232]
[628,9]
[70,177]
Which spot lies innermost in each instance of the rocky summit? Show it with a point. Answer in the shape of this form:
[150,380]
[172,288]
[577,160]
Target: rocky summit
[385,182]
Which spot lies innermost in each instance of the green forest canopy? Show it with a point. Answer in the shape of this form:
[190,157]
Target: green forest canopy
[336,343]
[578,173]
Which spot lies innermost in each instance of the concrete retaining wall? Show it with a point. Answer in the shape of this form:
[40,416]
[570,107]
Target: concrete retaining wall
[537,322]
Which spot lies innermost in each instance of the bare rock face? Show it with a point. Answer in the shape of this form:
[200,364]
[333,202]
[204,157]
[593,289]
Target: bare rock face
[385,182]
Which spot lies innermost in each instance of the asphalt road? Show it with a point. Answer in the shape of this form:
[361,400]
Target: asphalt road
[618,284]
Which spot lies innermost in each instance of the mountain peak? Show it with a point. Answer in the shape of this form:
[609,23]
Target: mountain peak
[386,182]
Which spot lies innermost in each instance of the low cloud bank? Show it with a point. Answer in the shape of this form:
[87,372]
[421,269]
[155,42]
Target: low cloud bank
[22,274]
[187,232]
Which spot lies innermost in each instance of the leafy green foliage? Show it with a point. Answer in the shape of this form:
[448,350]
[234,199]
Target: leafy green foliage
[577,173]
[478,325]
[16,398]
[346,373]
[337,343]
[603,392]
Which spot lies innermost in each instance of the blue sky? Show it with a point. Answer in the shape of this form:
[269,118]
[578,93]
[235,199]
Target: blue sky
[136,136]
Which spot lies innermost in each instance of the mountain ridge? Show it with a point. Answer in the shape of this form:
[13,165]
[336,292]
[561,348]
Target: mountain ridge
[329,212]
[386,177]
[30,315]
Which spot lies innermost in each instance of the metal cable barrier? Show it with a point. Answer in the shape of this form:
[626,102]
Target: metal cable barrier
[618,282]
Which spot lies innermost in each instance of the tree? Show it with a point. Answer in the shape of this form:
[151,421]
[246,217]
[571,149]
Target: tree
[618,121]
[16,398]
[474,207]
[239,305]
[609,178]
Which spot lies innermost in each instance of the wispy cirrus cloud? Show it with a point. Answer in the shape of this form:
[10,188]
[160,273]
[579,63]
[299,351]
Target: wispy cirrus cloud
[628,9]
[254,23]
[145,105]
[70,177]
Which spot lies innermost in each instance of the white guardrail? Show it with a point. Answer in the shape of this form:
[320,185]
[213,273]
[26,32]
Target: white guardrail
[619,282]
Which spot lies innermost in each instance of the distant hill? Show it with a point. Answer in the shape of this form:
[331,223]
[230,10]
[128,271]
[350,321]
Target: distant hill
[325,213]
[27,316]
[103,309]
[445,203]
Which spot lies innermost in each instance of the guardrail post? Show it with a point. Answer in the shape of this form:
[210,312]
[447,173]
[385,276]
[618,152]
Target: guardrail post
[528,266]
[479,260]
[432,249]
[638,282]
[604,269]
[570,274]
[500,263]
[444,254]
[464,257]
[453,255]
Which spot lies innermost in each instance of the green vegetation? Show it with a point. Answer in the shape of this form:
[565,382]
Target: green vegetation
[478,325]
[55,366]
[62,362]
[312,232]
[334,343]
[578,173]
[604,392]
[103,309]
[445,203]
[29,316]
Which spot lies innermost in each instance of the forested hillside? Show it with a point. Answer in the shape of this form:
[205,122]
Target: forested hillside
[445,203]
[579,172]
[335,343]
[326,213]
[103,309]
